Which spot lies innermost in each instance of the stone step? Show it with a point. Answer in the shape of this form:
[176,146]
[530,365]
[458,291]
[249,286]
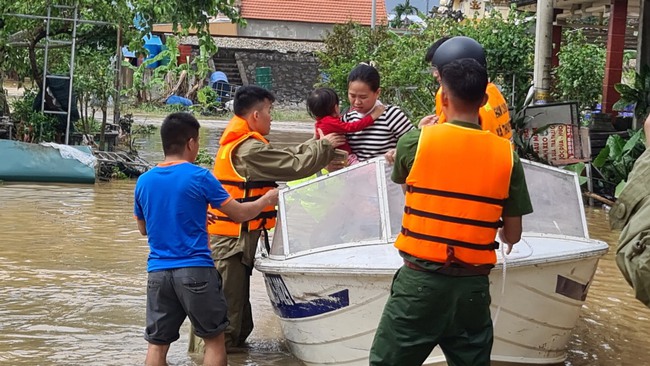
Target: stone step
[229,67]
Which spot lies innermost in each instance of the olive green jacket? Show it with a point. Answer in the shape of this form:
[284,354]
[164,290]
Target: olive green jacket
[258,161]
[631,213]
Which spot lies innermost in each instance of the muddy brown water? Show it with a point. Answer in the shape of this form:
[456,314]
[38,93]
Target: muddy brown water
[72,274]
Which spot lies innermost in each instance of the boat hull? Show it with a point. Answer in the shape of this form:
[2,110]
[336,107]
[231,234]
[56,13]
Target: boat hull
[329,317]
[25,162]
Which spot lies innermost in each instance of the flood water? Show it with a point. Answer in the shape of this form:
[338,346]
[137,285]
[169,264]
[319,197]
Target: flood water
[72,269]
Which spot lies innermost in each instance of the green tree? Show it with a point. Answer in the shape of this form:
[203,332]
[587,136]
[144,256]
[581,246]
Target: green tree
[406,79]
[400,10]
[94,86]
[21,38]
[580,73]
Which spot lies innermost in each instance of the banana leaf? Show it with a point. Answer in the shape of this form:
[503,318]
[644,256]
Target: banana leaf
[577,168]
[601,158]
[619,188]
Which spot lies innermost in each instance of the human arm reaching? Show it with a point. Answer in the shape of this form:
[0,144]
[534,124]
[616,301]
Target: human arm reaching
[335,125]
[240,212]
[258,161]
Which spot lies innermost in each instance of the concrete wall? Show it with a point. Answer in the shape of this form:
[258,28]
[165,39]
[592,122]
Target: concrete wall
[216,29]
[284,30]
[293,73]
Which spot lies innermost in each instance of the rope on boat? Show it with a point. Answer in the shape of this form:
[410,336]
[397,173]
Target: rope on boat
[503,277]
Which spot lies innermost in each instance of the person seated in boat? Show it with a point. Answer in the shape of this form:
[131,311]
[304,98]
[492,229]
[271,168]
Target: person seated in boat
[171,202]
[630,213]
[323,105]
[248,166]
[463,187]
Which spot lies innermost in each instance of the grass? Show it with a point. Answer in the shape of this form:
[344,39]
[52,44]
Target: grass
[151,109]
[291,115]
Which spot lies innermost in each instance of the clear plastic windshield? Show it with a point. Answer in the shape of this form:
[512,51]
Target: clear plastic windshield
[395,196]
[361,205]
[340,209]
[557,201]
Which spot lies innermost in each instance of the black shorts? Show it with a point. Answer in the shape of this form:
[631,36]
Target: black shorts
[195,292]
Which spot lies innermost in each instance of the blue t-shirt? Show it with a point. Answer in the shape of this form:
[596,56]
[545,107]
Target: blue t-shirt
[173,201]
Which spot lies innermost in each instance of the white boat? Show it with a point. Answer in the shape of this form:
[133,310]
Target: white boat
[331,263]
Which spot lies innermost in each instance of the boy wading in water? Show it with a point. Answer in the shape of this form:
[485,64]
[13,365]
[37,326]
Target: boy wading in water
[171,208]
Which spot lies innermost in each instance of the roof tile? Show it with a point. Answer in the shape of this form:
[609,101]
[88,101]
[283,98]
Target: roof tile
[314,11]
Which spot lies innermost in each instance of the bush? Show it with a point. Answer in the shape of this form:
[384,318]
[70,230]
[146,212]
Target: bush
[406,78]
[580,73]
[616,161]
[33,126]
[204,158]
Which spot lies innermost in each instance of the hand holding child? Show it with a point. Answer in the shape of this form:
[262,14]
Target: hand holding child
[334,138]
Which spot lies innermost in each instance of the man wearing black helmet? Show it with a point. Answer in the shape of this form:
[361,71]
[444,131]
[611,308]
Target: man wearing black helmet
[463,187]
[494,114]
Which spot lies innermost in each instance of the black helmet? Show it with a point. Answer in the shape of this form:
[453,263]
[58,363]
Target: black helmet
[456,48]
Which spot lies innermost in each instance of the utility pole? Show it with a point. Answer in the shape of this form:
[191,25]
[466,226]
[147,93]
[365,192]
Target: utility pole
[373,16]
[543,46]
[118,77]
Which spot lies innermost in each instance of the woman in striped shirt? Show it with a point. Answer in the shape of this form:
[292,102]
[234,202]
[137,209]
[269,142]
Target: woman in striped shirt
[376,139]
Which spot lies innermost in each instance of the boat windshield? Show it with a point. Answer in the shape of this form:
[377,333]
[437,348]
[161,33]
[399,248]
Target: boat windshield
[557,201]
[360,205]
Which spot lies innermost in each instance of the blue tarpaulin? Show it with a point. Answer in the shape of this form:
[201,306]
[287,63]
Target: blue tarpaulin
[175,99]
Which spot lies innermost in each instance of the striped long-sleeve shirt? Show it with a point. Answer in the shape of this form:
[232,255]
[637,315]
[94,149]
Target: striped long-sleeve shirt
[378,138]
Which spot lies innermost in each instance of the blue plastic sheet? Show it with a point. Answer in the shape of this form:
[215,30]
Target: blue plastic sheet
[175,99]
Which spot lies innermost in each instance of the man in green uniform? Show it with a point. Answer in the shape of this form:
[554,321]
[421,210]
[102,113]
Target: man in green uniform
[446,302]
[631,213]
[246,155]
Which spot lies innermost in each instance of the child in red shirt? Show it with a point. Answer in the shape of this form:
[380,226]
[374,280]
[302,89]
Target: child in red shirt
[323,106]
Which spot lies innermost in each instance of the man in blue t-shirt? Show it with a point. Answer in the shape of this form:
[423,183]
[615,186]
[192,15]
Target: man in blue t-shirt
[171,208]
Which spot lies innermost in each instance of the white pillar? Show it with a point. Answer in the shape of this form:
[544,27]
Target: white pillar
[543,49]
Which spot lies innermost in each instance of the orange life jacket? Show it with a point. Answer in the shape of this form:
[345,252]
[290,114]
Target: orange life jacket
[455,194]
[494,115]
[239,187]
